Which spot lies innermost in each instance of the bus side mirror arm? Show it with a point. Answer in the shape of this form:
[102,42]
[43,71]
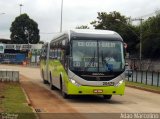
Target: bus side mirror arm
[125,49]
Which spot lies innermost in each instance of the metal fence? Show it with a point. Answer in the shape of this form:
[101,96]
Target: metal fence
[146,77]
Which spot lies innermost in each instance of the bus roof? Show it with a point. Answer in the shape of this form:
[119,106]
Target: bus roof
[89,33]
[92,31]
[95,33]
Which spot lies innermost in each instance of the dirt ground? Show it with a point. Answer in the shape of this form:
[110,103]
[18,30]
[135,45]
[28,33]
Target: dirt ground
[46,104]
[43,100]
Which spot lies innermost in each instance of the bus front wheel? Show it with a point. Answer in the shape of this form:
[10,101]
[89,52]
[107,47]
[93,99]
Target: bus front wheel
[108,97]
[65,96]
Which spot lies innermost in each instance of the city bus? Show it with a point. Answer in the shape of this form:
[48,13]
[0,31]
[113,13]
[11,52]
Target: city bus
[17,58]
[84,62]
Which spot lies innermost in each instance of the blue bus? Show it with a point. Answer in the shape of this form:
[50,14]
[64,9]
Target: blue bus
[12,58]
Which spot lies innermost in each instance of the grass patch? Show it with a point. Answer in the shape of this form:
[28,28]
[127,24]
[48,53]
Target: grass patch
[13,100]
[143,86]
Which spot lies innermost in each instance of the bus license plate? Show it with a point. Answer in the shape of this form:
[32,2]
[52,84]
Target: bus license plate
[97,91]
[108,83]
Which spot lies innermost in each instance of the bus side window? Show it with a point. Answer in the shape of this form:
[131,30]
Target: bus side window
[59,54]
[55,53]
[50,53]
[41,54]
[45,53]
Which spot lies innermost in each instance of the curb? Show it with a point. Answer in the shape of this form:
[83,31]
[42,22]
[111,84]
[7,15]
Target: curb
[27,98]
[144,89]
[29,102]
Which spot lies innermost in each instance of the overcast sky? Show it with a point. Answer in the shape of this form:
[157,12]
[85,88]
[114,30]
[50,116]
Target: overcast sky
[75,12]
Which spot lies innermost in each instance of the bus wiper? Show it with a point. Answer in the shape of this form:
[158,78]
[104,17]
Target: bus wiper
[92,60]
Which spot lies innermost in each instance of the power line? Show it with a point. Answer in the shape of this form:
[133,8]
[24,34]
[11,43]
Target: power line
[149,14]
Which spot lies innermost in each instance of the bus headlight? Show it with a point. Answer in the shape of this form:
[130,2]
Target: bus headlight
[74,82]
[119,83]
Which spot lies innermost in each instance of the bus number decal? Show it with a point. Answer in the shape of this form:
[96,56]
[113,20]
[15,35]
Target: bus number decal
[108,83]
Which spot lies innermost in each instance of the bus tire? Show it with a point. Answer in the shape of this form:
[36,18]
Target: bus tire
[50,84]
[64,95]
[108,97]
[44,81]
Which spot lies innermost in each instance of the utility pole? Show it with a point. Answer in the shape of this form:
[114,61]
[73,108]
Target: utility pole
[61,16]
[20,8]
[27,33]
[140,39]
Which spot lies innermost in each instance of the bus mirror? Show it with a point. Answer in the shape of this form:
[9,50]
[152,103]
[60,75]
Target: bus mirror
[125,45]
[125,49]
[67,49]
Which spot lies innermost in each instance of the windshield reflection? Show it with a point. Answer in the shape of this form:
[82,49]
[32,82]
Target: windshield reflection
[97,56]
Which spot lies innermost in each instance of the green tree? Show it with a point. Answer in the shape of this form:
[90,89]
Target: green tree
[151,37]
[82,27]
[117,22]
[41,42]
[24,28]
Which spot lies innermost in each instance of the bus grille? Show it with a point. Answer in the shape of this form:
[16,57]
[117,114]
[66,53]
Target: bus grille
[97,78]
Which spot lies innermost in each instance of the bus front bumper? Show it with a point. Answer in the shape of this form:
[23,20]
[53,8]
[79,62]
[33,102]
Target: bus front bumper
[95,90]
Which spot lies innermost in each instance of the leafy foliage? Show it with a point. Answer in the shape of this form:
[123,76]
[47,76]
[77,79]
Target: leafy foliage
[24,28]
[131,34]
[151,37]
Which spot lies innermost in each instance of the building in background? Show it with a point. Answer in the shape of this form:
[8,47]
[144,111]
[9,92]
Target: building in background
[17,53]
[5,41]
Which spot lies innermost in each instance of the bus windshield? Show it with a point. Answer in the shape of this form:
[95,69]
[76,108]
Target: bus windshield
[97,56]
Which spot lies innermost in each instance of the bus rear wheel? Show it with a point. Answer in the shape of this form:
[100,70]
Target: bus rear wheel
[51,84]
[44,81]
[108,97]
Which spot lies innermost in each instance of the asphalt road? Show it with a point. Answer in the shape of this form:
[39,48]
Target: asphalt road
[134,100]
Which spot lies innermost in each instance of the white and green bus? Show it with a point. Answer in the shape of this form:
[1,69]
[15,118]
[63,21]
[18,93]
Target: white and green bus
[85,62]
